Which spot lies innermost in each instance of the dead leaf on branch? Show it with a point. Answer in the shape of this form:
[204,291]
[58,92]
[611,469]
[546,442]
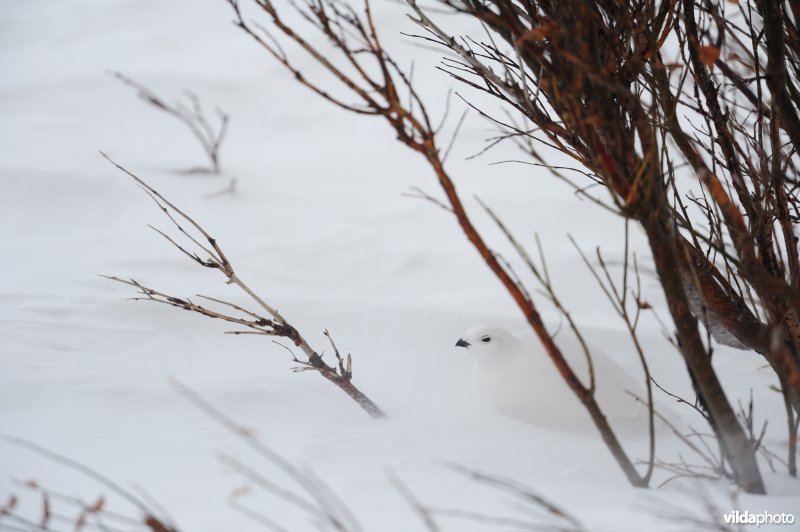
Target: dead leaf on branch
[708,54]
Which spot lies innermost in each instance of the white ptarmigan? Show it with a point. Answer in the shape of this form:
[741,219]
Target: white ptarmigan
[519,380]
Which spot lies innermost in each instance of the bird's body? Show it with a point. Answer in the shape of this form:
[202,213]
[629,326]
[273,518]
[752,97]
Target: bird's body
[521,381]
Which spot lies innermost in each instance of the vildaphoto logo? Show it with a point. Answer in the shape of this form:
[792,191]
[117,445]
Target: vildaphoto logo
[738,517]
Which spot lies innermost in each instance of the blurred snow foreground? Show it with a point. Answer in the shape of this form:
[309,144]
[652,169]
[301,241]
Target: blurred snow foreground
[325,232]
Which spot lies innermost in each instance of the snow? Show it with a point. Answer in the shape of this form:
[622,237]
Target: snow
[321,229]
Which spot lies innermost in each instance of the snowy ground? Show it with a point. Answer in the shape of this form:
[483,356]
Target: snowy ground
[320,227]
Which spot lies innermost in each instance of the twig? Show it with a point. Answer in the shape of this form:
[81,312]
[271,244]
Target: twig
[210,255]
[192,116]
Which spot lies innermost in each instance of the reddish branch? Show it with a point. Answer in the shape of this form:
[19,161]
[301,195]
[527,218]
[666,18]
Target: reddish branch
[591,77]
[604,96]
[377,83]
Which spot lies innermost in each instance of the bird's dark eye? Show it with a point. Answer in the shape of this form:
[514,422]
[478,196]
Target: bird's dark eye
[486,339]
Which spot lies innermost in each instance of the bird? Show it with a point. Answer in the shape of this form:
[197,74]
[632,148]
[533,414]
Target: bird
[520,380]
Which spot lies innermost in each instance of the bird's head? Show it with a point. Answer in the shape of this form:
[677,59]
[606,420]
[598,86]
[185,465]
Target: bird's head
[487,340]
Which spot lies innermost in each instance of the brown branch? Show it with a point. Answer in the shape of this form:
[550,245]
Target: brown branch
[193,117]
[415,132]
[273,324]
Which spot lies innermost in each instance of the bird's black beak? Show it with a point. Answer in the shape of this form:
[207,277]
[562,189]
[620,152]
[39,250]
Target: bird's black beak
[462,343]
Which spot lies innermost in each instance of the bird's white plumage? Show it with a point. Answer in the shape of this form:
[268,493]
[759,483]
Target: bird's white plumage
[520,380]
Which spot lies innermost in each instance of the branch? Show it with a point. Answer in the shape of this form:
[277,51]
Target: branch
[272,324]
[192,116]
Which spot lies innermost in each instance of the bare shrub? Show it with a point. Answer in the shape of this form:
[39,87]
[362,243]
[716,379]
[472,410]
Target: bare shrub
[191,114]
[592,81]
